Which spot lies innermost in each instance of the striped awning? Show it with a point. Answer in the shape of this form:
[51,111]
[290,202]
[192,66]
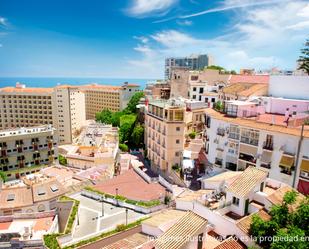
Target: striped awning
[304,165]
[266,156]
[287,161]
[247,149]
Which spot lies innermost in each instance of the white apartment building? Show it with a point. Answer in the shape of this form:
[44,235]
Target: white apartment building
[235,143]
[26,150]
[63,107]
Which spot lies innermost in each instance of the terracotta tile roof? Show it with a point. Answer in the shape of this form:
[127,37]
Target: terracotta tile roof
[132,85]
[165,216]
[224,176]
[130,242]
[43,224]
[26,90]
[247,181]
[245,223]
[21,197]
[100,87]
[132,186]
[276,198]
[5,225]
[245,89]
[177,236]
[231,243]
[251,123]
[264,79]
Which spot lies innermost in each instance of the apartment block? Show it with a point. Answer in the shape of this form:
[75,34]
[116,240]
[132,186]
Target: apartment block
[193,62]
[69,109]
[167,122]
[265,141]
[63,107]
[114,98]
[26,150]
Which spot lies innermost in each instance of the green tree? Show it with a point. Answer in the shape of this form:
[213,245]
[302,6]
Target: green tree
[131,107]
[104,116]
[289,238]
[127,123]
[62,160]
[301,216]
[218,106]
[304,58]
[124,147]
[3,176]
[215,67]
[137,137]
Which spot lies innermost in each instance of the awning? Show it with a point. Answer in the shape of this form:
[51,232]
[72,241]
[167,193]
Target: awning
[247,149]
[303,187]
[186,154]
[287,161]
[187,164]
[304,165]
[266,156]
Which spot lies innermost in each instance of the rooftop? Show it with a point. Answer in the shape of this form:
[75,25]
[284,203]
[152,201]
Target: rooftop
[95,86]
[244,89]
[247,181]
[26,90]
[130,242]
[164,217]
[26,131]
[132,186]
[224,176]
[252,123]
[263,79]
[245,223]
[231,243]
[177,236]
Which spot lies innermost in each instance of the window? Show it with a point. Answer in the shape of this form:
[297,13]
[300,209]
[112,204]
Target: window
[177,128]
[177,141]
[235,201]
[194,97]
[201,90]
[177,154]
[194,89]
[200,98]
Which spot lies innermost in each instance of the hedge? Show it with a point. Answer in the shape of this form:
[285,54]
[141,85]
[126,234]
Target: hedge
[118,229]
[50,240]
[146,204]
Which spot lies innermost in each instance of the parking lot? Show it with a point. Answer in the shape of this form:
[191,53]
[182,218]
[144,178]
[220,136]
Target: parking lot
[95,218]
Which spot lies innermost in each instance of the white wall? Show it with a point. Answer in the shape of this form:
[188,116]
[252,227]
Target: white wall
[294,87]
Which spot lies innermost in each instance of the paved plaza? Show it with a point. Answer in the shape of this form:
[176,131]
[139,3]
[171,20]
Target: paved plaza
[91,220]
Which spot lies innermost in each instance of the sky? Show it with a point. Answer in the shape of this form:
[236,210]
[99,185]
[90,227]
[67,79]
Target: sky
[131,38]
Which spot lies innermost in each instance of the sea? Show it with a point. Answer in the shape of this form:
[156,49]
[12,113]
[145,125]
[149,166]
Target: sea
[54,81]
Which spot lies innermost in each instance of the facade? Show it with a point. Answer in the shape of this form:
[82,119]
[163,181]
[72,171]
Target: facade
[70,111]
[235,143]
[193,62]
[31,194]
[198,85]
[27,150]
[100,97]
[166,126]
[62,107]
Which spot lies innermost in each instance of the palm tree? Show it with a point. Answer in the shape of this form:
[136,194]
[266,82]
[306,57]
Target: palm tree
[304,58]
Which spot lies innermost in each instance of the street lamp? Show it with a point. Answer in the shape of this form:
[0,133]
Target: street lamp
[116,196]
[126,216]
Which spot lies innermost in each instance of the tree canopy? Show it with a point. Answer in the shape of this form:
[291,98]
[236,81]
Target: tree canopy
[304,58]
[131,107]
[287,227]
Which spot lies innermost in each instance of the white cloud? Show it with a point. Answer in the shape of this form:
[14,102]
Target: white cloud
[142,39]
[261,37]
[3,22]
[143,8]
[184,22]
[1,45]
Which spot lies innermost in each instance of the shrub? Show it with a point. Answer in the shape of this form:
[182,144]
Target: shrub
[124,147]
[62,160]
[192,134]
[120,228]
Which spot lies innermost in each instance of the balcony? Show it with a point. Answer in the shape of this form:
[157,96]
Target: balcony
[266,165]
[247,158]
[250,141]
[268,146]
[234,136]
[221,132]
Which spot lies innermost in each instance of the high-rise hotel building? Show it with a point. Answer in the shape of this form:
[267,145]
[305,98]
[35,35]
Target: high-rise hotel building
[114,98]
[63,107]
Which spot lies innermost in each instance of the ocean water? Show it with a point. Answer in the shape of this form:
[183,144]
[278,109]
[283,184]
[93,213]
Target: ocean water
[54,81]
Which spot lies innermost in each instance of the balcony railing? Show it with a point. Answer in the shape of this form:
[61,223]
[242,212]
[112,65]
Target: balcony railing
[248,158]
[220,132]
[247,140]
[268,146]
[266,165]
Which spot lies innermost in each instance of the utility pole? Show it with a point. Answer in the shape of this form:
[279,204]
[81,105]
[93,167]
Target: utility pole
[298,152]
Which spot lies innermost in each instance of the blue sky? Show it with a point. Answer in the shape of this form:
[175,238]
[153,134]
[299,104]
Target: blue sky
[131,38]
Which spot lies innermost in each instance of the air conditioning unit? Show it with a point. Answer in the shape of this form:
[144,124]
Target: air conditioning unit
[304,174]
